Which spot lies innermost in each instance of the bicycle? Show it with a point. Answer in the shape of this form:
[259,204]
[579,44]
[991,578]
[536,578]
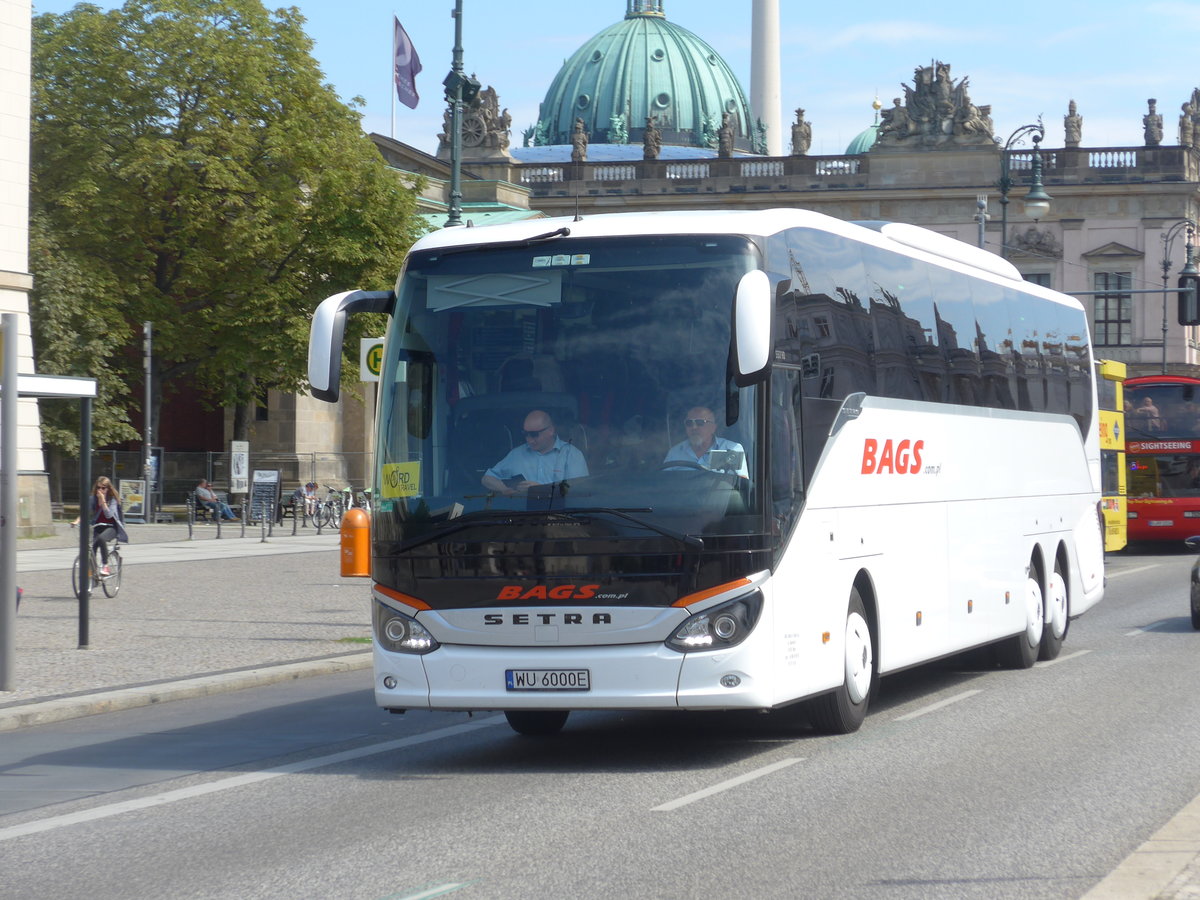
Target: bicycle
[110,583]
[329,510]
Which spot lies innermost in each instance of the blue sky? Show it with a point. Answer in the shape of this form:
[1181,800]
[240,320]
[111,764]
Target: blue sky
[1023,58]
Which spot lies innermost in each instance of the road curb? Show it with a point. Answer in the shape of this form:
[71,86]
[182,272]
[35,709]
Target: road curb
[48,711]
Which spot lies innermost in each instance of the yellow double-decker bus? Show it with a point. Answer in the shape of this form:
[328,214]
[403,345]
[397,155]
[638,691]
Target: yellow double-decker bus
[1110,387]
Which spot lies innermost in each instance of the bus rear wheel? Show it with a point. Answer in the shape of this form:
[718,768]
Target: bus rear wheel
[1058,608]
[843,710]
[536,722]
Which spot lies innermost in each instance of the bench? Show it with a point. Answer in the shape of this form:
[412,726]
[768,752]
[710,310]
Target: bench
[201,513]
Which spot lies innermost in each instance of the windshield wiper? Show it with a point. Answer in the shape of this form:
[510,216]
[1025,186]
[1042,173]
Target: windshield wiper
[522,242]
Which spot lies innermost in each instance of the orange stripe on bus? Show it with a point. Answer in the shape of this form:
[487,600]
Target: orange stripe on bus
[711,592]
[402,598]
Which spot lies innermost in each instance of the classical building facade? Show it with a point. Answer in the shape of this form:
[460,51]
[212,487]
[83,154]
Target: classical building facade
[33,496]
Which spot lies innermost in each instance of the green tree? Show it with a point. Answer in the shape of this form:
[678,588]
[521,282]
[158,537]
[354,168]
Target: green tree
[190,168]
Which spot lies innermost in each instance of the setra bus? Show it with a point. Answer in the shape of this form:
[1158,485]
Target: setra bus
[1162,453]
[894,457]
[1110,384]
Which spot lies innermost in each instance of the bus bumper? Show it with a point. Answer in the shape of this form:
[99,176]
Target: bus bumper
[630,676]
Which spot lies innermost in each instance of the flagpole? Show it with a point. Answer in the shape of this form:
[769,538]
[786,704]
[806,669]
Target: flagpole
[392,76]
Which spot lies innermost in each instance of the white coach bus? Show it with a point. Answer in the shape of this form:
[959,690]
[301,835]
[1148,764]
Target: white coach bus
[717,460]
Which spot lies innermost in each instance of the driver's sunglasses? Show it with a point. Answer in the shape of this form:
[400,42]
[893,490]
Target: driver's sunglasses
[533,434]
[696,423]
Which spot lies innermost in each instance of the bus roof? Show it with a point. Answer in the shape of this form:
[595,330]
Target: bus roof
[898,236]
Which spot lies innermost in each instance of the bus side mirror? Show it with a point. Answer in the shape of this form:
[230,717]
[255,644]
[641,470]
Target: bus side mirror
[1189,302]
[752,327]
[327,331]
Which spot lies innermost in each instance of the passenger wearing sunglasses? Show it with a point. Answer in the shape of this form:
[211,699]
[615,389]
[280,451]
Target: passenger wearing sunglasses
[544,458]
[701,427]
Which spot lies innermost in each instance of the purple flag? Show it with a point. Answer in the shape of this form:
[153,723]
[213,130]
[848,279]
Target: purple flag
[408,64]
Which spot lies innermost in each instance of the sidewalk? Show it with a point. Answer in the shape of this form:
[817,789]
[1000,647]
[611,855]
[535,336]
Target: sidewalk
[193,617]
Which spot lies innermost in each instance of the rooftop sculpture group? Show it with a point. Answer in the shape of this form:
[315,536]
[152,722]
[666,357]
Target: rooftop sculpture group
[936,111]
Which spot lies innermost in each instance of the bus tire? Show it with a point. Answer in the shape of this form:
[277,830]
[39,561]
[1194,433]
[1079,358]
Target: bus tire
[1021,650]
[843,710]
[1058,609]
[536,722]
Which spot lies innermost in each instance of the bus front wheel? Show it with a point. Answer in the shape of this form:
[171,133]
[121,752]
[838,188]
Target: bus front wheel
[844,710]
[536,722]
[1021,650]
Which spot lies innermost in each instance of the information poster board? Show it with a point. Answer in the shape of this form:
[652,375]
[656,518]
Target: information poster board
[239,467]
[133,499]
[264,493]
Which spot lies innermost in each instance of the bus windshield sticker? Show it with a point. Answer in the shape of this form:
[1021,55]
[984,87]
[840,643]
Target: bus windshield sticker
[400,480]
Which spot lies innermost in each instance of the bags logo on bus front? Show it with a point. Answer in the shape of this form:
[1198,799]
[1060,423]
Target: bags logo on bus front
[891,457]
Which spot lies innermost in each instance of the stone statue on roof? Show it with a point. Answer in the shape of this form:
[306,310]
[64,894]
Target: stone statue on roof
[579,142]
[725,136]
[651,139]
[1152,124]
[801,134]
[1072,125]
[936,112]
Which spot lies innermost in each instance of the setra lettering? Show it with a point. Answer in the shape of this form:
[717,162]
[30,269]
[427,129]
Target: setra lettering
[892,458]
[599,618]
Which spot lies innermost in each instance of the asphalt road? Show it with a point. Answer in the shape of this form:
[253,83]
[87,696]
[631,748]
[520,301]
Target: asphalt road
[966,781]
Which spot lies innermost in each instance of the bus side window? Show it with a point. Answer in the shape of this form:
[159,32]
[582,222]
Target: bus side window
[787,472]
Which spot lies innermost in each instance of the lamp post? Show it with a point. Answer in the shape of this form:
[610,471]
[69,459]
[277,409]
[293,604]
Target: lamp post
[1189,268]
[460,89]
[1037,201]
[981,215]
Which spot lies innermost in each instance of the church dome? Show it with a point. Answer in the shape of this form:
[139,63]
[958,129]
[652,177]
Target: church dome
[867,137]
[645,66]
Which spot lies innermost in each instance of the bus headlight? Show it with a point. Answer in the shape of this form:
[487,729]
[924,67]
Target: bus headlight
[400,633]
[722,626]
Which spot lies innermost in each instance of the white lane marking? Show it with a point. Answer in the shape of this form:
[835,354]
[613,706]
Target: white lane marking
[1054,662]
[1132,571]
[437,890]
[115,809]
[726,785]
[1146,628]
[934,707]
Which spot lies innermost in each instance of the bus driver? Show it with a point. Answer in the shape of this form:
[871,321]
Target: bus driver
[702,440]
[544,458]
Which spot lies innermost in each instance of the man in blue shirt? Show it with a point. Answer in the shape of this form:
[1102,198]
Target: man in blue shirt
[544,458]
[701,428]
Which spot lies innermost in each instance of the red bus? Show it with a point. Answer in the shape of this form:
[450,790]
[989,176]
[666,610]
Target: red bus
[1162,451]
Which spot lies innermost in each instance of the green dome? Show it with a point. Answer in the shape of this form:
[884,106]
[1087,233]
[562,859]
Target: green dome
[642,66]
[864,142]
[867,137]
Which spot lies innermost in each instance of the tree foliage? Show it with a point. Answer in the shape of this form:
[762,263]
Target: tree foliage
[190,168]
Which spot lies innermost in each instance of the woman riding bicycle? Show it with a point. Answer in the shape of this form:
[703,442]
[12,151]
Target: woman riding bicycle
[104,512]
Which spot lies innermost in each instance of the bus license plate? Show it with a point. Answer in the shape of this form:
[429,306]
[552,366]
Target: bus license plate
[548,679]
[1161,523]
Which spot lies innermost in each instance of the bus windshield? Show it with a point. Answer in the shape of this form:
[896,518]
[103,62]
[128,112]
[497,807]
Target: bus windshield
[567,377]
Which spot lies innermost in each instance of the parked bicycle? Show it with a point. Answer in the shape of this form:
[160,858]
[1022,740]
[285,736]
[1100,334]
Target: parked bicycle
[330,509]
[110,583]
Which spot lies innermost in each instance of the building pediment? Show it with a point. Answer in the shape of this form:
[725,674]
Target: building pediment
[1113,250]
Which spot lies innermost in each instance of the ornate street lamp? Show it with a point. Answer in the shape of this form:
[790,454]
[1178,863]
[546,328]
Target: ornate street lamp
[1037,201]
[460,89]
[1187,273]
